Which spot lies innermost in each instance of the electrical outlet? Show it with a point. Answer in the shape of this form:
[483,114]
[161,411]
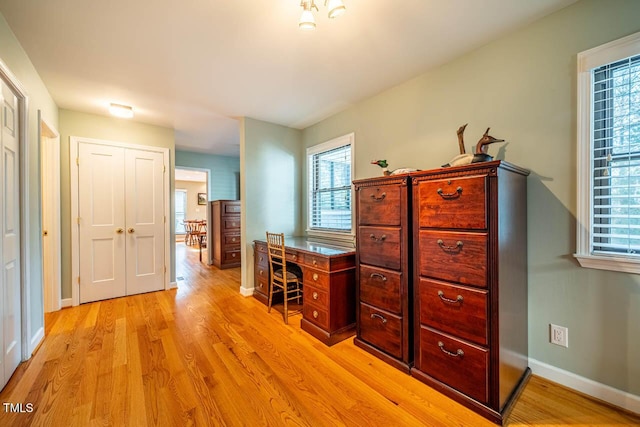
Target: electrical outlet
[559,335]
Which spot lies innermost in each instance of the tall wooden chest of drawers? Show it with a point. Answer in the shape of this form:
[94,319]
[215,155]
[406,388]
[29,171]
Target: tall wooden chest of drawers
[470,284]
[225,233]
[383,285]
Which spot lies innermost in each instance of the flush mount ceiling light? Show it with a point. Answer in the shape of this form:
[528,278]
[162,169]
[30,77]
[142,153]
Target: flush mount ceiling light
[119,110]
[308,22]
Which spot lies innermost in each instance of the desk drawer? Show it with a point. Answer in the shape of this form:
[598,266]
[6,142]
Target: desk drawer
[453,203]
[261,259]
[230,208]
[380,246]
[381,329]
[455,257]
[261,285]
[262,271]
[381,288]
[315,314]
[461,365]
[316,278]
[294,256]
[315,261]
[316,296]
[456,310]
[379,205]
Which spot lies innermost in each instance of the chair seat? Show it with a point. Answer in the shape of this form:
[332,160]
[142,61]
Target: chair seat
[290,275]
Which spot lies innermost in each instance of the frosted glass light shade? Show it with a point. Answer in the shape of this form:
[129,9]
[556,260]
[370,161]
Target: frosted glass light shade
[336,8]
[307,22]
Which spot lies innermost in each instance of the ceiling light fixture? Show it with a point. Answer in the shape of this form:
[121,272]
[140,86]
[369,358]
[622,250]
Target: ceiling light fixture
[308,22]
[119,110]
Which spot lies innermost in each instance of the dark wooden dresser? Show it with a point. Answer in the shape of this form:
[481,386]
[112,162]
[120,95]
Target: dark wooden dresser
[224,220]
[383,275]
[470,284]
[328,277]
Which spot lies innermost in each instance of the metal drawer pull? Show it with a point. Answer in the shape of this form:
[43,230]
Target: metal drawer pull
[378,239]
[459,299]
[315,314]
[233,255]
[261,259]
[382,196]
[450,195]
[450,248]
[261,272]
[376,315]
[315,262]
[458,353]
[233,240]
[379,276]
[315,295]
[315,276]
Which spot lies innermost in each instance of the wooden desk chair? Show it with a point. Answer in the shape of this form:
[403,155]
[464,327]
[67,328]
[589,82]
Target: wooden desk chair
[187,231]
[282,280]
[201,235]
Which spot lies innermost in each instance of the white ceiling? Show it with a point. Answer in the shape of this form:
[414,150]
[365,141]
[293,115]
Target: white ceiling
[197,65]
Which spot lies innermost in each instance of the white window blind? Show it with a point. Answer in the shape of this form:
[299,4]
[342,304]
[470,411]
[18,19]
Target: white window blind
[616,158]
[330,189]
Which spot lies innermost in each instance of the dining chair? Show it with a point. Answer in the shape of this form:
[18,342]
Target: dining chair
[283,281]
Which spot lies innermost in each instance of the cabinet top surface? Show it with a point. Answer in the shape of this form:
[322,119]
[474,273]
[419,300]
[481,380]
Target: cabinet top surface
[304,244]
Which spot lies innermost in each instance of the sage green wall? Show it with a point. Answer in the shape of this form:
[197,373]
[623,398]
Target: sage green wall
[39,99]
[270,158]
[73,123]
[524,87]
[224,172]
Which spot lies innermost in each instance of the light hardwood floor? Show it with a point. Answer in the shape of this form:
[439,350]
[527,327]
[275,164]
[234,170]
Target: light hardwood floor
[204,355]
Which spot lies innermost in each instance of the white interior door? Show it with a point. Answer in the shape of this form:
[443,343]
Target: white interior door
[144,203]
[10,314]
[101,221]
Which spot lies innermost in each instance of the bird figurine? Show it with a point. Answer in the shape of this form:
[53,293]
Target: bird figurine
[480,152]
[383,164]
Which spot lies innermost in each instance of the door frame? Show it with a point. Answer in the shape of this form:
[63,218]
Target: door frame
[51,262]
[28,343]
[74,141]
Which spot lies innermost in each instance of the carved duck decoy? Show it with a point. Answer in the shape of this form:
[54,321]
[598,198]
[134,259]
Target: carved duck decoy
[481,147]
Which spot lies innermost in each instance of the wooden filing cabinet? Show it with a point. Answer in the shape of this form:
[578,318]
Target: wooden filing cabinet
[383,260]
[470,284]
[328,278]
[225,233]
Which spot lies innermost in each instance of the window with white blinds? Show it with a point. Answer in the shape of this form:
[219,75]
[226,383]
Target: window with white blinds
[616,157]
[330,199]
[608,191]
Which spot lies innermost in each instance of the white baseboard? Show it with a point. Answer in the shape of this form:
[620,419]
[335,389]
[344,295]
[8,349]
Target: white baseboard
[616,397]
[35,340]
[246,292]
[173,285]
[67,302]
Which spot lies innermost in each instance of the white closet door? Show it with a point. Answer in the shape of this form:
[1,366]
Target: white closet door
[145,221]
[102,221]
[10,315]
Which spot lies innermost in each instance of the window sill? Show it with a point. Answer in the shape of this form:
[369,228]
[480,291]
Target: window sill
[611,263]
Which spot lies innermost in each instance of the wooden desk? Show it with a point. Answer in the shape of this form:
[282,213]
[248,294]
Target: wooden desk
[328,277]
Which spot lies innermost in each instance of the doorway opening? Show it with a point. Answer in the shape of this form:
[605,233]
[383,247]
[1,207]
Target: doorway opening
[191,214]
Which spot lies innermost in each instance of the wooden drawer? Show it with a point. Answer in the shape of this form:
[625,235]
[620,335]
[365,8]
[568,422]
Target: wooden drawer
[261,259]
[231,239]
[231,223]
[316,278]
[262,271]
[459,364]
[261,247]
[261,285]
[453,203]
[230,208]
[381,288]
[455,257]
[315,314]
[293,256]
[316,296]
[316,261]
[381,329]
[455,309]
[379,205]
[380,246]
[231,256]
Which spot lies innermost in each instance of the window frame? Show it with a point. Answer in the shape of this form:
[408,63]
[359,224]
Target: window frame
[587,61]
[341,141]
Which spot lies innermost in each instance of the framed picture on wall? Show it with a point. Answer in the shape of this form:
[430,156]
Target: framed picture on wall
[202,198]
